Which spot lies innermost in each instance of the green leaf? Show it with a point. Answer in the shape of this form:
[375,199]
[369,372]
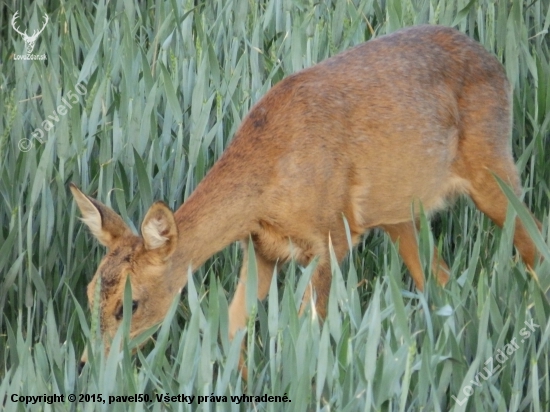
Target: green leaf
[144,183]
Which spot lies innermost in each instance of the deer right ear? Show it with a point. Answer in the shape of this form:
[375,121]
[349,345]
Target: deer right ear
[159,230]
[104,223]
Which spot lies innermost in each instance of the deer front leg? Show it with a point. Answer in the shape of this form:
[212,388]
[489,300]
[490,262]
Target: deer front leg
[404,234]
[237,309]
[318,289]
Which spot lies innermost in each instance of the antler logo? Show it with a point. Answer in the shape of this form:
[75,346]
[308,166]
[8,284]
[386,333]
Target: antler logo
[29,40]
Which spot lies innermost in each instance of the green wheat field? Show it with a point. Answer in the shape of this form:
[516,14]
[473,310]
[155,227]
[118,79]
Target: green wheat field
[135,101]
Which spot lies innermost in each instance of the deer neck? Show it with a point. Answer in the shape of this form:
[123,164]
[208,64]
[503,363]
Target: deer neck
[221,211]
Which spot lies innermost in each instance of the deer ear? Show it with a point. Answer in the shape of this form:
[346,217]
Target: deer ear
[107,226]
[159,230]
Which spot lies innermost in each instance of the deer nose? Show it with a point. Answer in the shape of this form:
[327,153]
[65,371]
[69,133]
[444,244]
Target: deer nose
[83,360]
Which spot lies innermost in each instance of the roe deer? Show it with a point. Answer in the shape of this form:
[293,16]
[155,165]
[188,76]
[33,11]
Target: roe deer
[418,115]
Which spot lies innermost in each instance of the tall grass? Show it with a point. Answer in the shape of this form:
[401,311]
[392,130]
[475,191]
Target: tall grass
[166,85]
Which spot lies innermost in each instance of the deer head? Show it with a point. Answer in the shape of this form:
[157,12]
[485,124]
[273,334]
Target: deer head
[144,259]
[29,40]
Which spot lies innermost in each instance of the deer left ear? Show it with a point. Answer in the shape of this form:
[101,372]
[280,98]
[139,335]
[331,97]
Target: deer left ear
[107,226]
[159,230]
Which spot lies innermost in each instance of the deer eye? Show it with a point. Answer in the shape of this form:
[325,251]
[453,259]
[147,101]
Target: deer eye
[120,312]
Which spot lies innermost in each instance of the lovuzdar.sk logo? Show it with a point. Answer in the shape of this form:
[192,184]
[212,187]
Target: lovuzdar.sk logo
[29,40]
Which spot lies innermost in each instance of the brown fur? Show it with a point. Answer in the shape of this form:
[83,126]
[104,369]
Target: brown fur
[416,116]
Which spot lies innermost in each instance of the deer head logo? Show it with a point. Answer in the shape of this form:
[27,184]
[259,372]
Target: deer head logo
[29,40]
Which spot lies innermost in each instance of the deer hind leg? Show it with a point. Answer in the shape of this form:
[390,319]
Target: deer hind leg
[489,198]
[484,150]
[404,234]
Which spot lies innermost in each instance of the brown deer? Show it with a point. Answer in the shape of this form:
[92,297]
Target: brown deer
[419,115]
